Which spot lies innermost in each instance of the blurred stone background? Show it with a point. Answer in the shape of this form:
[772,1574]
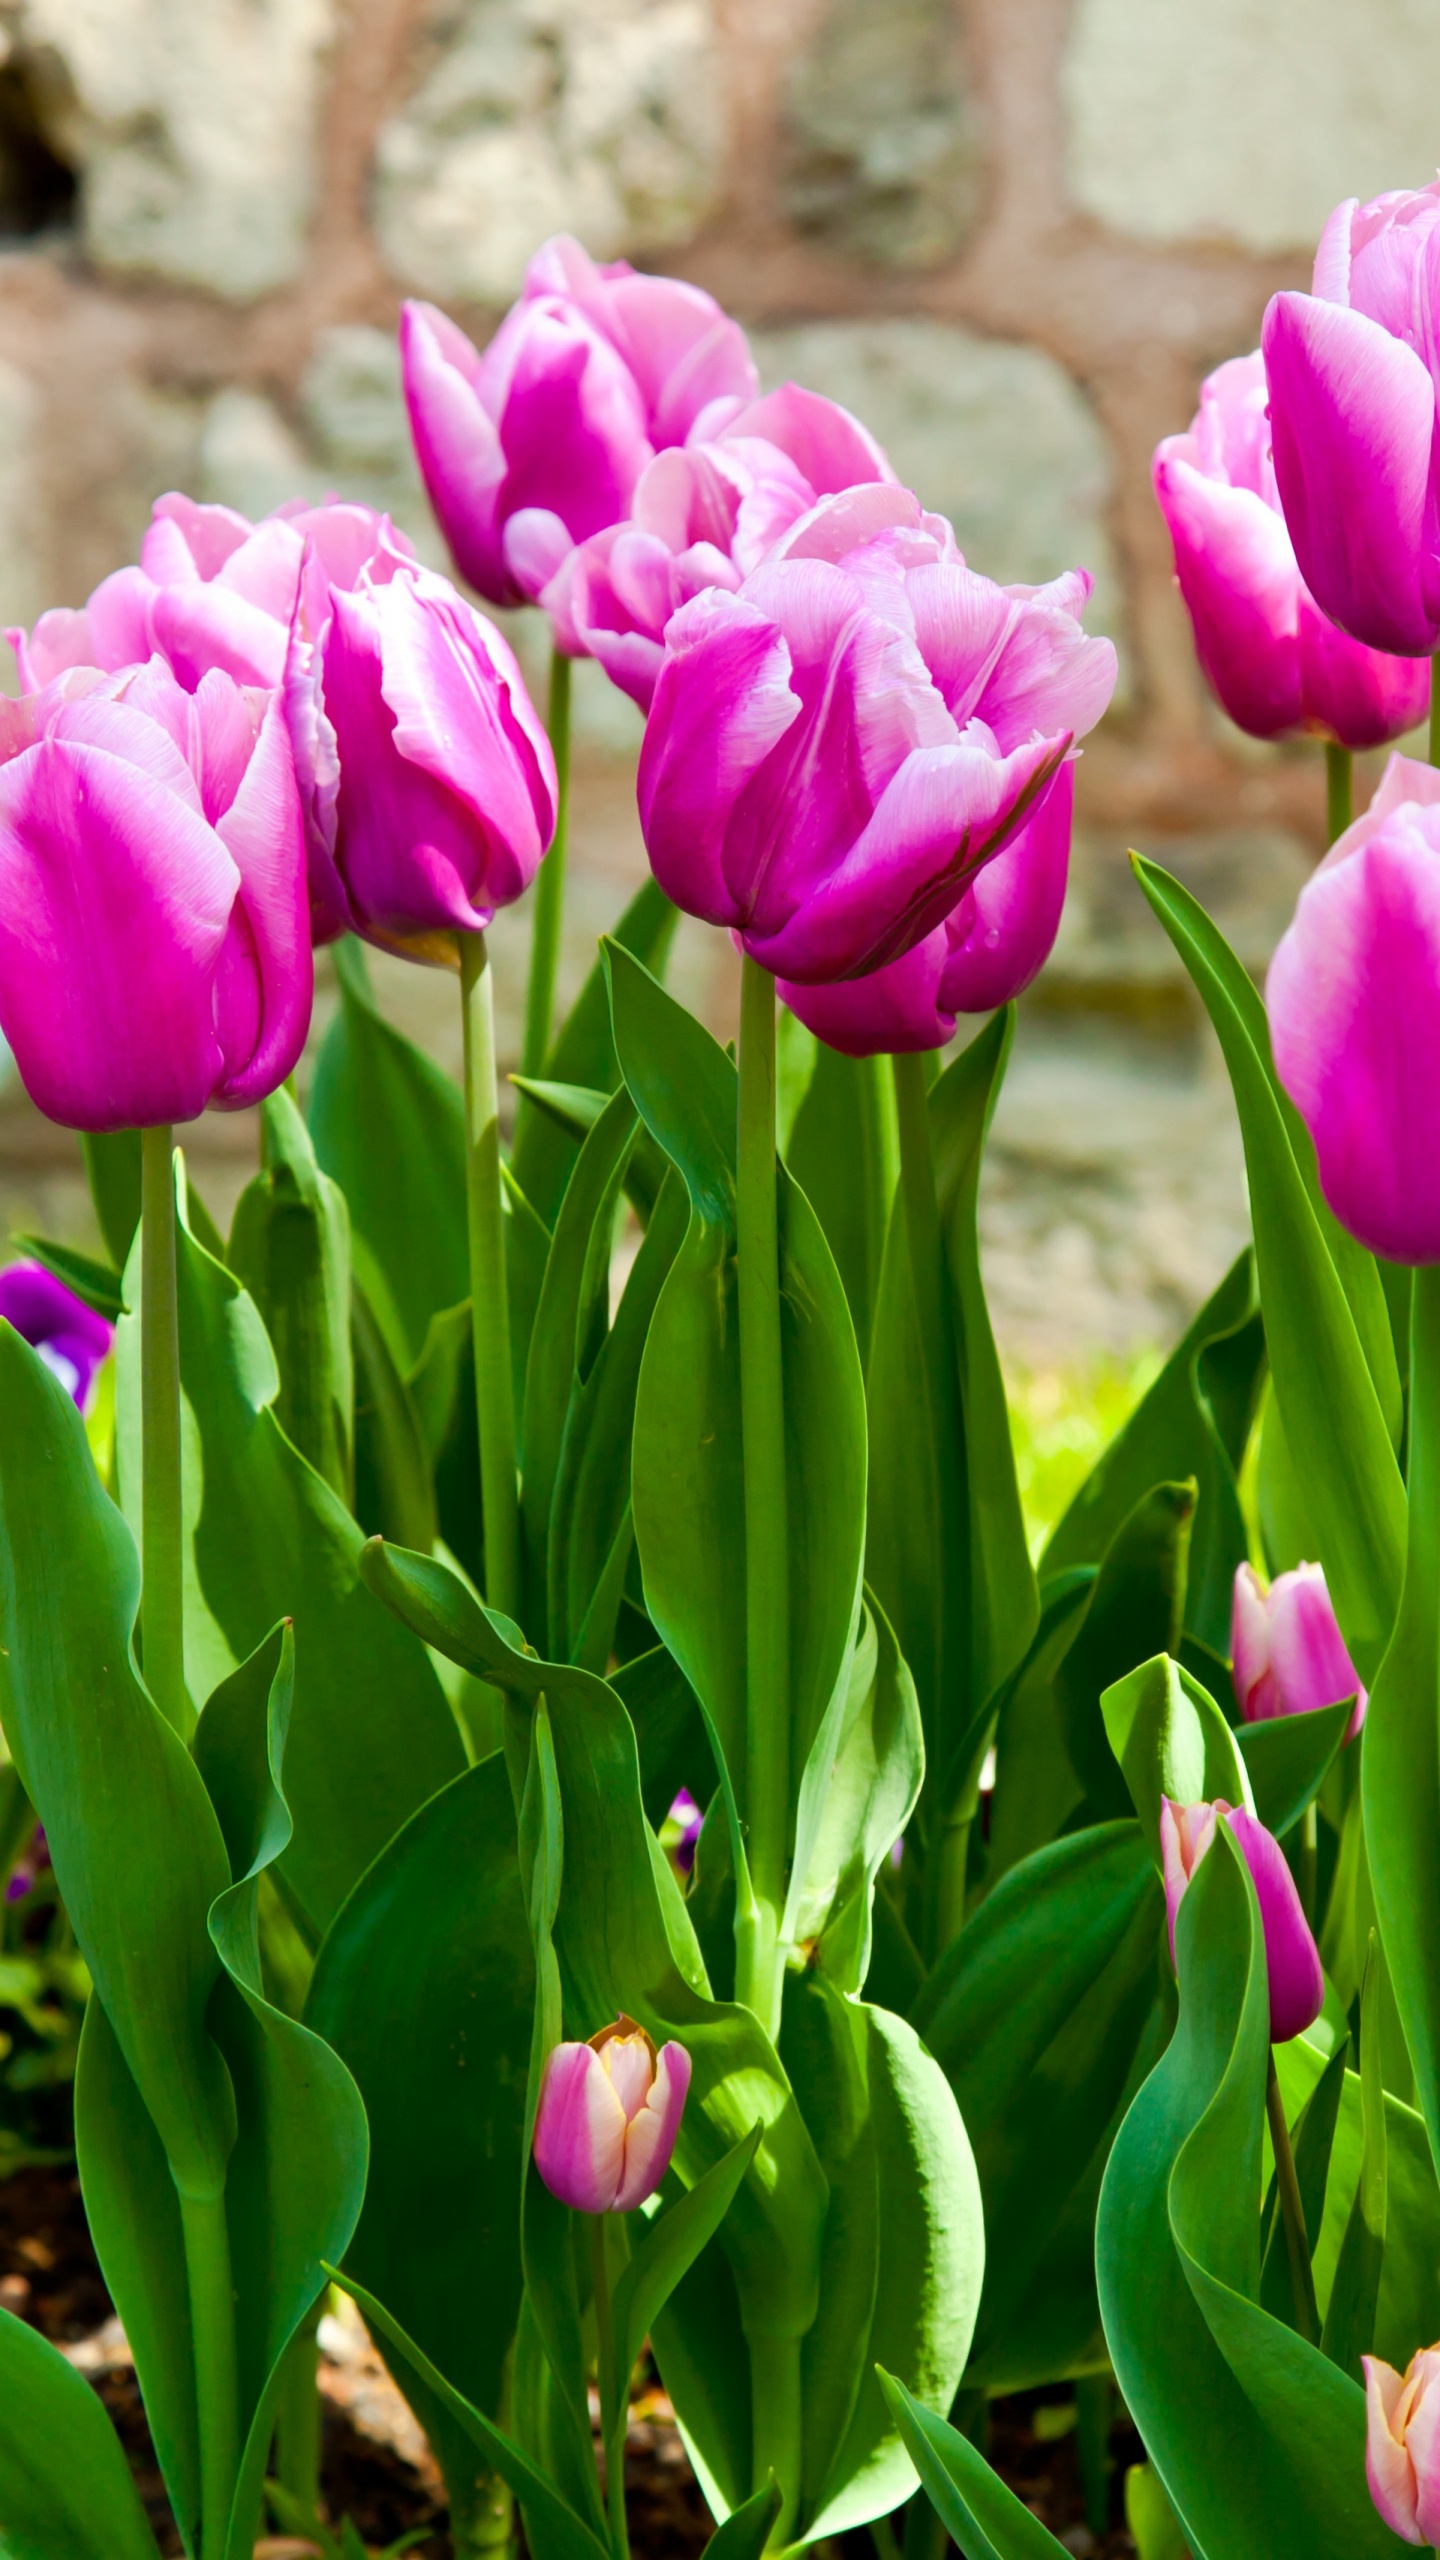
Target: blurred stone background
[1012,233]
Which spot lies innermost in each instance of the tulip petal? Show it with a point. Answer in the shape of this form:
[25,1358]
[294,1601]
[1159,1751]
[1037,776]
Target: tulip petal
[456,444]
[1011,910]
[724,698]
[894,1009]
[1388,2468]
[831,447]
[198,627]
[650,2139]
[1238,575]
[270,931]
[1250,1644]
[1297,1982]
[579,2131]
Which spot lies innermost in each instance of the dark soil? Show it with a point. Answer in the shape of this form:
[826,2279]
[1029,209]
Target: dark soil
[48,2275]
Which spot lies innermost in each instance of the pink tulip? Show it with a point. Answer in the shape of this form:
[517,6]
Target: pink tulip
[835,750]
[1270,656]
[1287,1650]
[1402,2446]
[428,781]
[527,449]
[1352,368]
[608,2115]
[70,1337]
[211,590]
[1354,1001]
[1297,1984]
[989,949]
[704,514]
[154,941]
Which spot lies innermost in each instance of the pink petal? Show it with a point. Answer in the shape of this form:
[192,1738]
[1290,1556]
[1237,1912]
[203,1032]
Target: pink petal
[629,2066]
[579,2131]
[1359,696]
[723,700]
[186,539]
[572,426]
[1387,2464]
[831,447]
[1249,1639]
[456,444]
[1308,1654]
[1004,930]
[1186,1832]
[1422,2445]
[263,1022]
[1238,575]
[894,1010]
[650,2140]
[199,627]
[1297,1982]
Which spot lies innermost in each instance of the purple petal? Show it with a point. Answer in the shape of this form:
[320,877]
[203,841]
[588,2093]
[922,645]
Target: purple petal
[1360,697]
[723,700]
[1004,930]
[456,444]
[54,1320]
[266,979]
[896,1009]
[1297,1980]
[831,447]
[579,2130]
[1238,575]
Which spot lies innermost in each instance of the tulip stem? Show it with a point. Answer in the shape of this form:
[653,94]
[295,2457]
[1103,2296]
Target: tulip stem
[1340,788]
[1292,2211]
[217,2377]
[550,886]
[162,1616]
[489,1297]
[614,2387]
[759,1967]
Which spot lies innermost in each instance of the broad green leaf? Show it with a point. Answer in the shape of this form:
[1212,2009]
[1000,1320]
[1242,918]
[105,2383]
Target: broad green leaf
[1154,2526]
[1409,2303]
[372,1736]
[669,1731]
[1193,1422]
[575,1108]
[583,1053]
[664,2253]
[389,1127]
[1312,2143]
[1137,1609]
[1284,1529]
[1349,2331]
[843,1152]
[290,1247]
[441,1387]
[112,1162]
[394,1480]
[1287,1757]
[1171,1740]
[65,2486]
[97,1283]
[1036,1788]
[425,1987]
[1327,1330]
[980,2514]
[858,1792]
[745,2533]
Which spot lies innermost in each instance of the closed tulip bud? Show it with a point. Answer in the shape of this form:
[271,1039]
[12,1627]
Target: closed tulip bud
[428,780]
[1353,419]
[1353,997]
[154,934]
[1286,1648]
[608,2115]
[835,751]
[527,449]
[1402,2443]
[1297,1983]
[70,1337]
[1273,660]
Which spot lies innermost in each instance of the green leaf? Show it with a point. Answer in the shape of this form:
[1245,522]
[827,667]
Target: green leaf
[372,1735]
[1171,1740]
[1312,2142]
[1349,2331]
[112,1162]
[980,2514]
[389,1127]
[290,1247]
[665,2254]
[425,1987]
[584,1052]
[1154,2526]
[394,1480]
[94,1282]
[1287,1757]
[441,1388]
[1409,2303]
[1036,1788]
[1194,1421]
[65,2486]
[858,1792]
[669,1731]
[745,2533]
[1327,1330]
[842,1150]
[1137,1609]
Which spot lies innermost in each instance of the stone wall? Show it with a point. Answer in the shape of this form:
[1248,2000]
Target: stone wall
[1013,233]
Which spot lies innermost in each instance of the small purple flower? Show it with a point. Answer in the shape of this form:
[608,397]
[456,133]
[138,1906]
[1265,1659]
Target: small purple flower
[688,1819]
[70,1338]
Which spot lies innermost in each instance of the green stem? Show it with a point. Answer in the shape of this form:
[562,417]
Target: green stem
[161,1537]
[614,2386]
[217,2379]
[759,1962]
[550,886]
[1307,1862]
[775,2406]
[1339,789]
[297,2421]
[1292,2211]
[1435,709]
[489,1298]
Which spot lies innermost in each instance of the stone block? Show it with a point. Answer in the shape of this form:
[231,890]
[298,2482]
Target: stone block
[191,128]
[1246,119]
[882,157]
[601,117]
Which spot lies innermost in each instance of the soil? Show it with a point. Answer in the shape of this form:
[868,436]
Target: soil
[377,2468]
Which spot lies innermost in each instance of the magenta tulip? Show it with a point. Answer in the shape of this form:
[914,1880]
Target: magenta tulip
[70,1337]
[996,941]
[1402,2443]
[1287,1652]
[835,750]
[608,2115]
[154,940]
[428,780]
[1352,369]
[211,590]
[1297,1983]
[703,515]
[1272,659]
[527,449]
[1354,1001]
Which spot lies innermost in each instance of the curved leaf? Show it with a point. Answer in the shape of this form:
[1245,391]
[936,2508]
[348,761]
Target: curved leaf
[65,2486]
[985,2518]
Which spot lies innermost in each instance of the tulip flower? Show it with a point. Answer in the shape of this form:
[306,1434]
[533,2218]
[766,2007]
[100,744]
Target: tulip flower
[428,781]
[70,1337]
[703,515]
[211,590]
[1272,659]
[1402,2443]
[1354,1001]
[527,449]
[836,749]
[1352,418]
[988,950]
[154,941]
[1287,1650]
[1297,1984]
[608,2115]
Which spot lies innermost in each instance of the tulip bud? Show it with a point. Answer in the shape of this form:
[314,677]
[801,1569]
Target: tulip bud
[608,2115]
[1287,1650]
[1297,1983]
[70,1338]
[1402,2443]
